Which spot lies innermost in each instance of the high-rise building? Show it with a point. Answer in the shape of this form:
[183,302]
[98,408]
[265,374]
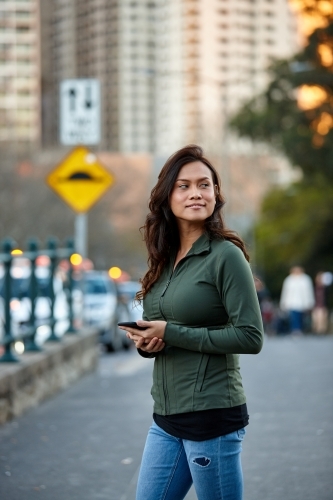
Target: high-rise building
[226,47]
[19,72]
[172,71]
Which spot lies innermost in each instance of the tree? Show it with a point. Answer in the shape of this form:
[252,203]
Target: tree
[295,115]
[295,227]
[312,13]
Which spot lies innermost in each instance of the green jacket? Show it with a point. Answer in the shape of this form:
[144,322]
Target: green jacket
[212,313]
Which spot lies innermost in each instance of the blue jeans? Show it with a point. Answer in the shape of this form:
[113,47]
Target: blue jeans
[296,320]
[170,465]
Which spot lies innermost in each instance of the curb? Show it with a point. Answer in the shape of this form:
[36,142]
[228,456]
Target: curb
[40,375]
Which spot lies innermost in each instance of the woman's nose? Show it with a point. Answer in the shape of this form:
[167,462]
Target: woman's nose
[195,193]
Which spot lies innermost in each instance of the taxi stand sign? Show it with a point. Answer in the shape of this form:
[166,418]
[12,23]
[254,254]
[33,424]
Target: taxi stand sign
[80,112]
[80,179]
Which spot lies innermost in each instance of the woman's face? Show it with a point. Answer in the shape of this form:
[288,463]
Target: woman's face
[193,196]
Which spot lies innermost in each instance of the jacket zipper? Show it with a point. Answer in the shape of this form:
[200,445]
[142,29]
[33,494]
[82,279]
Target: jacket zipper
[163,293]
[165,389]
[166,286]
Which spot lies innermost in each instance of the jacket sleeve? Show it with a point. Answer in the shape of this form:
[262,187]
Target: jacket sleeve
[244,332]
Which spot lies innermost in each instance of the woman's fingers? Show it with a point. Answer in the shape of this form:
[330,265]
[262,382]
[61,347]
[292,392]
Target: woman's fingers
[153,329]
[155,345]
[139,342]
[134,336]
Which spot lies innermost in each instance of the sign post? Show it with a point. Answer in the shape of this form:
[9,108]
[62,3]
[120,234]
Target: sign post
[80,179]
[81,235]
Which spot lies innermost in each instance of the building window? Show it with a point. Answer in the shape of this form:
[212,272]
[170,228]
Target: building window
[23,29]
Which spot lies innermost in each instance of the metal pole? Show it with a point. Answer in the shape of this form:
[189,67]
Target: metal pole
[52,247]
[8,355]
[81,233]
[71,328]
[30,344]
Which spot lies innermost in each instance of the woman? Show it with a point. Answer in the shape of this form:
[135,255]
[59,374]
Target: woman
[200,312]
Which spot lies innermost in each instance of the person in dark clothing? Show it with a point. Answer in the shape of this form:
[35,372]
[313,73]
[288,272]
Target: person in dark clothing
[200,312]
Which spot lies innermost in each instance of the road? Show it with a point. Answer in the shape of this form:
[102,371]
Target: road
[86,442]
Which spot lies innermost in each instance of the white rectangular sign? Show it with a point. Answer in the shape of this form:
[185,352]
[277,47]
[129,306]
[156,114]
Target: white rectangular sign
[80,112]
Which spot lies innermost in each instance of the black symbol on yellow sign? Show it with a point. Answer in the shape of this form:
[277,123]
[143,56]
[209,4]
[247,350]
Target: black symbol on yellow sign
[80,179]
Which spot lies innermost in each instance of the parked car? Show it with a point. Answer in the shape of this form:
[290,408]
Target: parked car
[103,308]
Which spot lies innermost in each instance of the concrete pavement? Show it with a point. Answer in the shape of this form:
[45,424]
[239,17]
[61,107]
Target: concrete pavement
[288,452]
[86,443]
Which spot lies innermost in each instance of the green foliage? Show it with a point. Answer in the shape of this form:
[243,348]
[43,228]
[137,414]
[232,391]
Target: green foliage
[296,224]
[274,116]
[295,228]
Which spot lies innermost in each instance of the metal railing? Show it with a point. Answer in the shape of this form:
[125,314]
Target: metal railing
[28,334]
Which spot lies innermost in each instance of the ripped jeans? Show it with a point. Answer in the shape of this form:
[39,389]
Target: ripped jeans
[170,465]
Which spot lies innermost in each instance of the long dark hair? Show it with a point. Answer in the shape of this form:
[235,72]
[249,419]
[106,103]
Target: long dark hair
[160,231]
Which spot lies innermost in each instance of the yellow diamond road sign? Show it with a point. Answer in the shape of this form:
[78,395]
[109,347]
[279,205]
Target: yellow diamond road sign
[80,179]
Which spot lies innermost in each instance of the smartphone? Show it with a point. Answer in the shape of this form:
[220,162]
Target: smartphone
[132,324]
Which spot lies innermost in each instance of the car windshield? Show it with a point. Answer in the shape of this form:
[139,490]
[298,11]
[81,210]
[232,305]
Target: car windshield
[95,287]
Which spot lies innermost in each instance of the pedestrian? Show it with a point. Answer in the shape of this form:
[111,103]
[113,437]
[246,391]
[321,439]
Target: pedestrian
[200,312]
[320,310]
[297,297]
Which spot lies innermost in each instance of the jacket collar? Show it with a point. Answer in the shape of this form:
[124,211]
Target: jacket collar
[201,245]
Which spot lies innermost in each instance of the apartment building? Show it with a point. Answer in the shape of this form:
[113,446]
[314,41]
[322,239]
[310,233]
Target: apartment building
[19,72]
[227,48]
[172,71]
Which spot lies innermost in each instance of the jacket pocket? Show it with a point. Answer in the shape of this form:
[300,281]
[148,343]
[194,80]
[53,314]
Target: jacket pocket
[201,372]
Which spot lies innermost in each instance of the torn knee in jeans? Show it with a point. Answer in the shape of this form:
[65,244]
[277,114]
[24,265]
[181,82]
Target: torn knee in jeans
[202,461]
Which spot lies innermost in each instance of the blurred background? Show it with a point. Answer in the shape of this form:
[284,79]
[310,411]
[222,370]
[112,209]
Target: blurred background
[250,81]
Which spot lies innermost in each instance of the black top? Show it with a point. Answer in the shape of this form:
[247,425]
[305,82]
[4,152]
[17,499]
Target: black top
[205,424]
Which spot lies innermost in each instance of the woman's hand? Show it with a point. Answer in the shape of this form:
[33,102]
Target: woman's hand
[150,346]
[149,340]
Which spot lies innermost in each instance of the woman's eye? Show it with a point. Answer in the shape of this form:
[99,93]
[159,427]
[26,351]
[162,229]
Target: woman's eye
[205,185]
[182,186]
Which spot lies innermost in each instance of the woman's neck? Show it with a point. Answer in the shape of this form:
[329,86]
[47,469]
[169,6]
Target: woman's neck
[187,236]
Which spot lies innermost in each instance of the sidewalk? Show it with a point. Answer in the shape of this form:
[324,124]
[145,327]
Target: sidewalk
[86,443]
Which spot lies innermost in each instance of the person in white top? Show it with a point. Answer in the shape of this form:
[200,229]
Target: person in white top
[297,297]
